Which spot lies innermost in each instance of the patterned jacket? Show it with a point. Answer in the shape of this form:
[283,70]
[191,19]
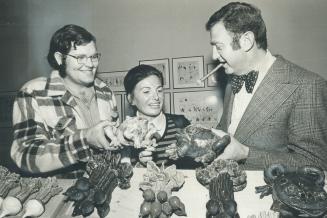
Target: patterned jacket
[286,119]
[48,130]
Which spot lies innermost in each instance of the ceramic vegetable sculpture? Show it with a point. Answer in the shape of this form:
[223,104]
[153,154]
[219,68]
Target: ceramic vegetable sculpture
[162,179]
[13,204]
[106,172]
[296,192]
[199,143]
[160,205]
[238,176]
[35,207]
[134,131]
[8,181]
[221,202]
[157,186]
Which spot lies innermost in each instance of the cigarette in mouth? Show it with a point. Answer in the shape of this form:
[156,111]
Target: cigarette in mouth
[211,72]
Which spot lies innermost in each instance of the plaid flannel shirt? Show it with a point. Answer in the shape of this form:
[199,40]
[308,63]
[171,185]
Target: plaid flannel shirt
[48,130]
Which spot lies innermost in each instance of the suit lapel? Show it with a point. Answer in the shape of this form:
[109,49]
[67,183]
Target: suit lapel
[270,95]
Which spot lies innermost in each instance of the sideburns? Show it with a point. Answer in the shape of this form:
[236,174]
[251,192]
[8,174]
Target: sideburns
[62,67]
[236,42]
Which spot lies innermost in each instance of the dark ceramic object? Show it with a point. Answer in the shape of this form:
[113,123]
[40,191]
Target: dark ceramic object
[200,144]
[295,193]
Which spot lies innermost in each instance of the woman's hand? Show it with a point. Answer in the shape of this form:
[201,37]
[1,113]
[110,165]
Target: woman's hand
[146,155]
[171,151]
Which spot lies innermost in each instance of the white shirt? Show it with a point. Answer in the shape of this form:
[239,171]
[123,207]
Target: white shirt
[243,98]
[159,123]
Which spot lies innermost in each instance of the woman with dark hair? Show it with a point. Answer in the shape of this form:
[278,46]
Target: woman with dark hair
[144,89]
[59,121]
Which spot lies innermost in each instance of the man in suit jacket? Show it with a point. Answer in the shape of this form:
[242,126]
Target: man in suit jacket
[280,114]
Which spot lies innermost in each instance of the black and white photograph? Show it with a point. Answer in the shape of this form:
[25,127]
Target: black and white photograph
[163,109]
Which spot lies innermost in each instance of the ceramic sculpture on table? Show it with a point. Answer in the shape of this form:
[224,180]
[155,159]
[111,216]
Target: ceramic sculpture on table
[295,193]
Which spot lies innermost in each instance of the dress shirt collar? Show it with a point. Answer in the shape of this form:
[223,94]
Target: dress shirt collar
[56,86]
[263,68]
[159,122]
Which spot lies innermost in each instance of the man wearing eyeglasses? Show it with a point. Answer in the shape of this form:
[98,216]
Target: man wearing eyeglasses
[59,121]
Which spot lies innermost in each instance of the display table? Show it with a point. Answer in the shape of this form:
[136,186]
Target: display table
[126,203]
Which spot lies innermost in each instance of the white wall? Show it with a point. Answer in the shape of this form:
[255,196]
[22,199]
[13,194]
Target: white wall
[131,30]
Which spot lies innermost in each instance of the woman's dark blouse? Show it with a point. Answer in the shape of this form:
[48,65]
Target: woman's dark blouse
[173,123]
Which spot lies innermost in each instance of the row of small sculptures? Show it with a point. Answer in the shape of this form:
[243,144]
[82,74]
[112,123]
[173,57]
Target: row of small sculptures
[294,192]
[24,195]
[221,177]
[106,172]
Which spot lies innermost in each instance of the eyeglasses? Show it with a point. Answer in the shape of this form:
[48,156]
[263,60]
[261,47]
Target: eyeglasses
[82,59]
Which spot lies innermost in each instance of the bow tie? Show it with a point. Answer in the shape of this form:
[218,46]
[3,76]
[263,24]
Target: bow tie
[249,79]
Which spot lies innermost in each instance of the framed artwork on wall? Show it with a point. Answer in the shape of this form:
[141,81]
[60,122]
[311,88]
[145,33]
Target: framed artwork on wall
[200,107]
[187,71]
[6,108]
[163,66]
[115,79]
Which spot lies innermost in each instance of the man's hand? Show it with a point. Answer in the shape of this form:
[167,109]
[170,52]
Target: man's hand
[234,150]
[96,136]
